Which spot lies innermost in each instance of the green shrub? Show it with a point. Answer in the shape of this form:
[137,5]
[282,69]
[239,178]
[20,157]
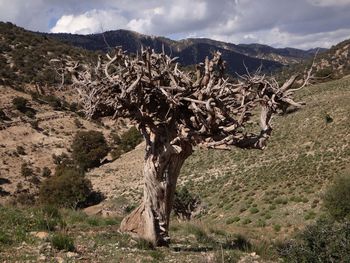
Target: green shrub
[337,198]
[26,170]
[237,241]
[78,123]
[62,159]
[46,172]
[277,227]
[89,147]
[116,153]
[53,101]
[232,220]
[50,218]
[246,221]
[144,244]
[184,203]
[157,255]
[116,138]
[20,103]
[199,233]
[30,113]
[310,215]
[324,241]
[5,239]
[328,118]
[73,107]
[325,72]
[20,150]
[62,242]
[3,116]
[254,210]
[67,188]
[130,139]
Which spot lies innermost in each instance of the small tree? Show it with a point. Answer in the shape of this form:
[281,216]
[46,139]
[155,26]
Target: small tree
[130,139]
[175,111]
[89,147]
[26,170]
[185,203]
[20,103]
[337,198]
[46,172]
[67,188]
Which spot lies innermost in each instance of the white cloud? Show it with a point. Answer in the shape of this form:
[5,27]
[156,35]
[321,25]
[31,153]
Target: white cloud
[90,22]
[330,2]
[298,23]
[277,38]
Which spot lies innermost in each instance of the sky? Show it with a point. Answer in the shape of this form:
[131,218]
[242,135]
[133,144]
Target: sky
[300,24]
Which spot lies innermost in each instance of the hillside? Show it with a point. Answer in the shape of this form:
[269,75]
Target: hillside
[329,64]
[264,196]
[25,56]
[280,187]
[33,140]
[191,51]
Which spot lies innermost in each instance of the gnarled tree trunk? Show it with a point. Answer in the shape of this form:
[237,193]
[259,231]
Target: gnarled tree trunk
[163,162]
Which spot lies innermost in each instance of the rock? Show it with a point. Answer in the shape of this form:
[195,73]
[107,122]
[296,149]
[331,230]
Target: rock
[41,235]
[93,210]
[59,259]
[42,258]
[72,254]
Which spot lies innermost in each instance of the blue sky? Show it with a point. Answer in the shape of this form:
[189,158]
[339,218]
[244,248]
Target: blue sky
[280,23]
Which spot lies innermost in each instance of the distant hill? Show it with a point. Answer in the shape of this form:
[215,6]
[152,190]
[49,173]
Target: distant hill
[193,50]
[25,56]
[336,61]
[333,63]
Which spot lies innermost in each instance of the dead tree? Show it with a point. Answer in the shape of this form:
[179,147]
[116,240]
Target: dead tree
[176,111]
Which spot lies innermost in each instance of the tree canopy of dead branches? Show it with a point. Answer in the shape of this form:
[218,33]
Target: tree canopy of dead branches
[203,107]
[176,110]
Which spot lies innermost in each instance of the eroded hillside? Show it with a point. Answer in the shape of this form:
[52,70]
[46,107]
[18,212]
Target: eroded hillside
[280,188]
[36,139]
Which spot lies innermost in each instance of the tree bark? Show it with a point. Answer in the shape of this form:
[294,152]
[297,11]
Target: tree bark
[163,162]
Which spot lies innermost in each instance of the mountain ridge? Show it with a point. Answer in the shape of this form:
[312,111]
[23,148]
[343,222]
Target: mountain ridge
[191,50]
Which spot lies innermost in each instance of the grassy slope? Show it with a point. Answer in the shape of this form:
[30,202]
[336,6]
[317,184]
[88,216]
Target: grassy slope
[281,182]
[282,185]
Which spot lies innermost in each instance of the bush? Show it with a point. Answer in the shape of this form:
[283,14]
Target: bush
[26,170]
[130,139]
[62,242]
[324,241]
[237,241]
[325,72]
[67,188]
[184,203]
[200,234]
[116,153]
[46,172]
[5,239]
[3,116]
[20,103]
[50,218]
[89,147]
[78,124]
[73,107]
[20,150]
[232,220]
[144,244]
[254,210]
[53,101]
[62,159]
[337,198]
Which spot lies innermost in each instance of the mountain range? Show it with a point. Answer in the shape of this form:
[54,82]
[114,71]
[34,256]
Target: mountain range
[192,50]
